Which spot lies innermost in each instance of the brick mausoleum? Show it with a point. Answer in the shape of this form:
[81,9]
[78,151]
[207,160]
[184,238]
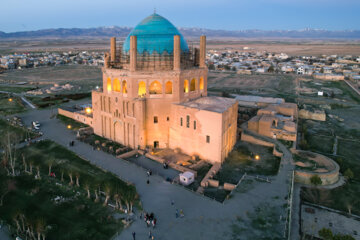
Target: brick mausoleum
[154,94]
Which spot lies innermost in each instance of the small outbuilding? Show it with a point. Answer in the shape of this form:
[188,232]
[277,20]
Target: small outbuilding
[187,178]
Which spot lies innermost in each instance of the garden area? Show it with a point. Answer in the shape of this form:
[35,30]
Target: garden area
[53,100]
[75,125]
[47,191]
[17,133]
[250,158]
[103,144]
[10,104]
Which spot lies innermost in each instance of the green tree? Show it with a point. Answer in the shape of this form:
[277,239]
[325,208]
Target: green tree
[342,237]
[349,174]
[211,67]
[326,234]
[315,180]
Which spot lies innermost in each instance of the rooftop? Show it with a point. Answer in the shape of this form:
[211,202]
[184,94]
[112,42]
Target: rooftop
[212,104]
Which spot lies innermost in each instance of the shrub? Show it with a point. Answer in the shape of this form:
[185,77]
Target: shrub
[349,174]
[315,180]
[326,234]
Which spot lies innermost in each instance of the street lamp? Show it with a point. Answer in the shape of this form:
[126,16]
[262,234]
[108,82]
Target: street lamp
[69,126]
[88,110]
[10,99]
[257,157]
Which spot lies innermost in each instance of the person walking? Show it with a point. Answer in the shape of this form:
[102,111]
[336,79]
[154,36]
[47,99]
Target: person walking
[154,222]
[133,234]
[150,235]
[177,213]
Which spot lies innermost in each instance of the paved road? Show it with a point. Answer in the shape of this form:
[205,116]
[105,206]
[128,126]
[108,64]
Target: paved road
[4,234]
[204,218]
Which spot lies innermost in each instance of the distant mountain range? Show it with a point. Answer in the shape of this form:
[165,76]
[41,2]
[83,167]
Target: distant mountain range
[188,32]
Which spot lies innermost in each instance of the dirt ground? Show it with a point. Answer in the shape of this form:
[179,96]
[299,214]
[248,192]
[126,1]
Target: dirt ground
[85,77]
[290,46]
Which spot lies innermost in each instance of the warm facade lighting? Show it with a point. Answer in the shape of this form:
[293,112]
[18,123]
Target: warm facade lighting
[88,110]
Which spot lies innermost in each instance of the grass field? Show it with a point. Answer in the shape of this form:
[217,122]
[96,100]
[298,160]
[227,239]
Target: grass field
[19,132]
[242,159]
[66,211]
[15,89]
[75,125]
[83,78]
[10,107]
[274,85]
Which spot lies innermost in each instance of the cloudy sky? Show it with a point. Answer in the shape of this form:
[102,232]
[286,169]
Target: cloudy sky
[25,15]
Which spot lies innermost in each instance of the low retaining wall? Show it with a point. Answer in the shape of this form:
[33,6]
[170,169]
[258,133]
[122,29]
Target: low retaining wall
[155,158]
[128,154]
[331,176]
[316,115]
[172,165]
[213,183]
[229,186]
[210,174]
[276,153]
[251,139]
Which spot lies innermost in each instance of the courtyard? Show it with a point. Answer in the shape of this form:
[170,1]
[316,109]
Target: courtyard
[156,196]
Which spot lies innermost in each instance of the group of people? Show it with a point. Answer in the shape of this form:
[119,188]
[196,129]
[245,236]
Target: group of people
[179,213]
[150,219]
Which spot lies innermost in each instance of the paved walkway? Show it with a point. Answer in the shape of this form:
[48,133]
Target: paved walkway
[204,218]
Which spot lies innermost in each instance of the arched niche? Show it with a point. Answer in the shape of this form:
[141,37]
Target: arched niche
[201,84]
[142,89]
[116,85]
[168,87]
[155,88]
[108,84]
[186,86]
[124,86]
[193,85]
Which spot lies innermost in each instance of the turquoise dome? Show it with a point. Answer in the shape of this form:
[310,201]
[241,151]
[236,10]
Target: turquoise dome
[155,33]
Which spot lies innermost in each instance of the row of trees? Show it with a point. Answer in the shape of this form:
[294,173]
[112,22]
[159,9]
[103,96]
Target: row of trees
[72,172]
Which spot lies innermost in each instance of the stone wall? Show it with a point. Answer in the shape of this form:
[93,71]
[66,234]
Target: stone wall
[316,115]
[329,175]
[251,139]
[128,154]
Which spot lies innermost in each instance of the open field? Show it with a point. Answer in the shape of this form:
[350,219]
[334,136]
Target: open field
[274,85]
[83,77]
[289,46]
[15,89]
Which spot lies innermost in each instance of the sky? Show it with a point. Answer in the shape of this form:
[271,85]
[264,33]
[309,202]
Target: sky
[26,15]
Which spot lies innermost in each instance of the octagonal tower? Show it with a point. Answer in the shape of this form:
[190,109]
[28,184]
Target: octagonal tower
[153,69]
